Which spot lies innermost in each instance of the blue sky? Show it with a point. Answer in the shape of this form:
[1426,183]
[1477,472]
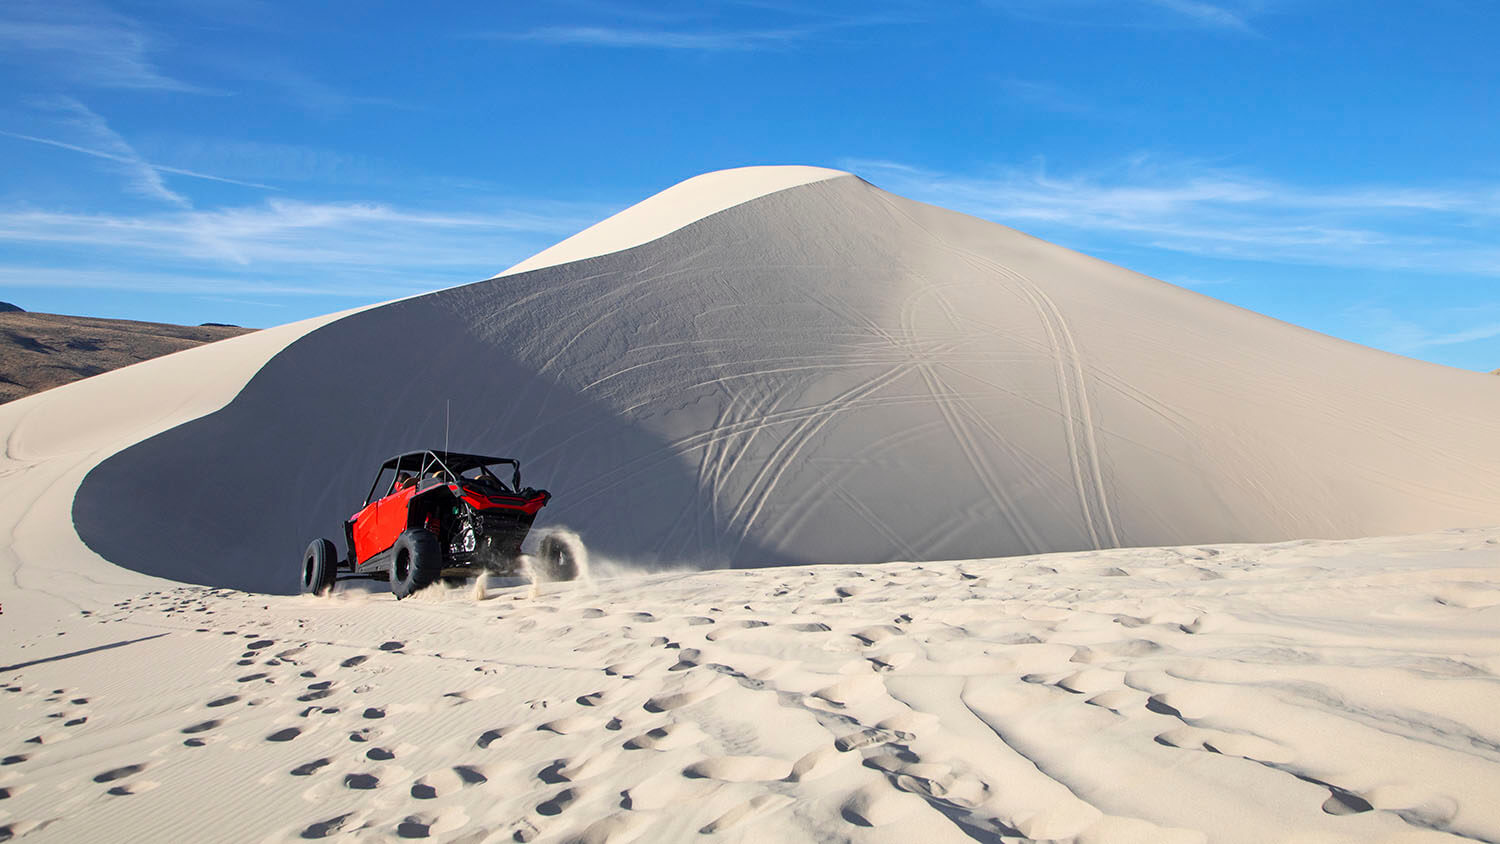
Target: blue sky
[1329,162]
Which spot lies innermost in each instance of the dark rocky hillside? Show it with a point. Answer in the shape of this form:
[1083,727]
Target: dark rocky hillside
[41,351]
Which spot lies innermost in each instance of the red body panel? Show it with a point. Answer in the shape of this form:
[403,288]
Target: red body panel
[379,523]
[363,532]
[529,506]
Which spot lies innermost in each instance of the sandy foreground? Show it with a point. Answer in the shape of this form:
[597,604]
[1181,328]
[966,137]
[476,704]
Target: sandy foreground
[1305,691]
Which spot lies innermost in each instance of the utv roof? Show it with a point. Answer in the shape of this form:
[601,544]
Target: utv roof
[455,461]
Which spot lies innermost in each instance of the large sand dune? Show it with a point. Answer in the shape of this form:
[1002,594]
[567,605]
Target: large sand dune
[823,372]
[770,365]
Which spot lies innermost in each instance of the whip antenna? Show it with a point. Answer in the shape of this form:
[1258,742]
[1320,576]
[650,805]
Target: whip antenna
[447,416]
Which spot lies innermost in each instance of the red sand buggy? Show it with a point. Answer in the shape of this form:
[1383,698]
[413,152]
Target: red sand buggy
[439,514]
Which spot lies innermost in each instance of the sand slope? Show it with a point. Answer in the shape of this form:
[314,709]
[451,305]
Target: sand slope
[1338,691]
[822,373]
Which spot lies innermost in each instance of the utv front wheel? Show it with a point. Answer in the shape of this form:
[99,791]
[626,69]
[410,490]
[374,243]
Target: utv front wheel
[318,564]
[417,561]
[560,555]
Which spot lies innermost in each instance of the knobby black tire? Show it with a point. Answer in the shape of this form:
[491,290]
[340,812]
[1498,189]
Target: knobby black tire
[319,567]
[416,561]
[559,559]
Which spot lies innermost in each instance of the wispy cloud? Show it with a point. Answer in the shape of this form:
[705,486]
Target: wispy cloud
[298,88]
[132,162]
[1206,14]
[676,32]
[280,247]
[662,39]
[1232,16]
[288,231]
[1222,213]
[1400,332]
[141,177]
[1046,96]
[86,45]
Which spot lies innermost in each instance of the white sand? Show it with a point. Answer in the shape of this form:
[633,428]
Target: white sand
[1304,691]
[1339,691]
[680,205]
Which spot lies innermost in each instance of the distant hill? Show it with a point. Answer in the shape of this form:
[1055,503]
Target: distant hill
[41,351]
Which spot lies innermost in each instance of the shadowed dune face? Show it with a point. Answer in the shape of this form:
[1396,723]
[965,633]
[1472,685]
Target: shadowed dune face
[828,373]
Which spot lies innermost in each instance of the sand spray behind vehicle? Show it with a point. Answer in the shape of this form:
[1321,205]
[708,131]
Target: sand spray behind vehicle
[571,545]
[537,574]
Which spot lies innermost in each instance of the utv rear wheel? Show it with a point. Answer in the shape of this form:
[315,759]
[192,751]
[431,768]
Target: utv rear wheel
[416,561]
[319,562]
[559,555]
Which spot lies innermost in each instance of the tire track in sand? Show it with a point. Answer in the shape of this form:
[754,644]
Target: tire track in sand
[1078,428]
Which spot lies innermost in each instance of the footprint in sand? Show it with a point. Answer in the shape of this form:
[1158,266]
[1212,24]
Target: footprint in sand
[444,782]
[879,805]
[1092,681]
[819,763]
[489,737]
[119,773]
[200,727]
[739,769]
[851,690]
[307,769]
[361,782]
[869,737]
[558,803]
[677,700]
[871,636]
[1118,701]
[579,769]
[286,734]
[668,737]
[630,668]
[730,628]
[380,754]
[323,829]
[139,787]
[353,661]
[687,658]
[392,646]
[663,789]
[223,701]
[571,724]
[619,828]
[755,807]
[1341,802]
[810,627]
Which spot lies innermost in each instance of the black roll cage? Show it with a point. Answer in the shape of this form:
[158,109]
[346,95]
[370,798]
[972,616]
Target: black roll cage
[424,462]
